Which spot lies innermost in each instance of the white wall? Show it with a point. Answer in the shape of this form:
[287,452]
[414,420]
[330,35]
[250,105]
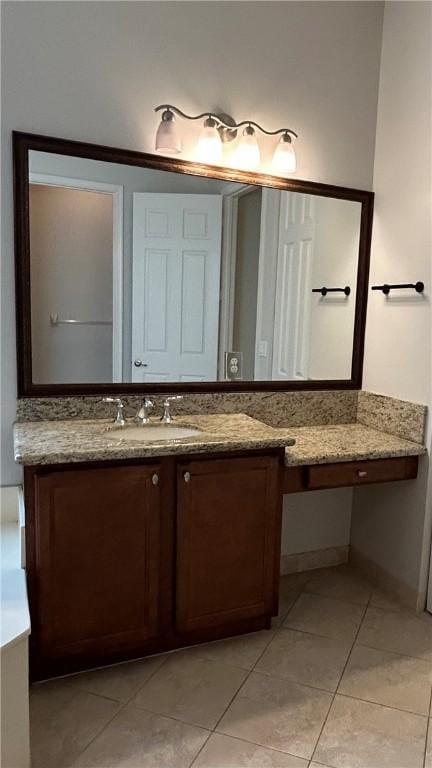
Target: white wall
[94,71]
[392,524]
[71,267]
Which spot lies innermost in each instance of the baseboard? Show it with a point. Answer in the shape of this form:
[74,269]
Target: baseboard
[395,588]
[319,558]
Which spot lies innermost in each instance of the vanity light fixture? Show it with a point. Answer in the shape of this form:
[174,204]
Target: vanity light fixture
[220,129]
[167,135]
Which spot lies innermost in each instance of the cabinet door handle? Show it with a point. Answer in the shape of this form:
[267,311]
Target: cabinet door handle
[155,478]
[361,473]
[187,477]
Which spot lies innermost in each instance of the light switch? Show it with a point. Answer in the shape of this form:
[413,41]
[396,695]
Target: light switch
[262,349]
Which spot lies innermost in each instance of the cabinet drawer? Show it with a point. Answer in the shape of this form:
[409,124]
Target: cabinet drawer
[361,472]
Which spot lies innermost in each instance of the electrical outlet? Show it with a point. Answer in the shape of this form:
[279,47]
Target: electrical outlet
[233,365]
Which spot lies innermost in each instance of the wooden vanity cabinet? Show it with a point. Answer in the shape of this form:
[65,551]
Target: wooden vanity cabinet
[94,561]
[228,522]
[130,559]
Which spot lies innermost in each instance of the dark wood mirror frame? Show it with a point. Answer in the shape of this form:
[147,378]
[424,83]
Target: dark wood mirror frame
[24,142]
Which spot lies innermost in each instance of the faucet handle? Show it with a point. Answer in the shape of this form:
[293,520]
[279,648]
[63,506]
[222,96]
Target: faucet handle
[166,416]
[119,419]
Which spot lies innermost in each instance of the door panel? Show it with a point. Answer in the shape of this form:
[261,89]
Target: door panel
[227,518]
[97,553]
[176,276]
[293,287]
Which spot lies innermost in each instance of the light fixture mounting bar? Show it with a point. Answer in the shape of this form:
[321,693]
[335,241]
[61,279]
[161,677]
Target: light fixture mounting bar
[233,126]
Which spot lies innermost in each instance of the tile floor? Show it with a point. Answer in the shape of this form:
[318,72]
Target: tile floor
[343,680]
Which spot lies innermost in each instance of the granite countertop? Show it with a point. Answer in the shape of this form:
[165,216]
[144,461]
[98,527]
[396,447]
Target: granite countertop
[346,442]
[60,442]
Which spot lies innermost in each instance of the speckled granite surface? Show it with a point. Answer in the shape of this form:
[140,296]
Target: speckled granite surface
[399,417]
[346,442]
[57,442]
[54,442]
[275,408]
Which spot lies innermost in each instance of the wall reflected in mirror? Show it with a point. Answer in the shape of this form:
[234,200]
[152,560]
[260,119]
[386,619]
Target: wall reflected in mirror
[141,275]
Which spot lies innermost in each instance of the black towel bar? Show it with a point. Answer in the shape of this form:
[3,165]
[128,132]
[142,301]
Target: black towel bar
[324,291]
[386,288]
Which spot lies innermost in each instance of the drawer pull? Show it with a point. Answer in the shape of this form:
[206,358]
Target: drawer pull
[361,473]
[155,478]
[187,477]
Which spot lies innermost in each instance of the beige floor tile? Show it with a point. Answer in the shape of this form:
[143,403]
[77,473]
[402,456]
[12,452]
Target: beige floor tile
[139,739]
[325,616]
[428,760]
[398,632]
[362,735]
[226,752]
[387,678]
[191,689]
[305,658]
[119,682]
[381,599]
[294,582]
[278,714]
[63,721]
[340,583]
[240,652]
[286,602]
[318,765]
[290,588]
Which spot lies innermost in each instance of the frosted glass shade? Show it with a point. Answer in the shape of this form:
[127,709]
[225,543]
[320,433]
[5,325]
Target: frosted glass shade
[167,137]
[284,158]
[209,147]
[247,153]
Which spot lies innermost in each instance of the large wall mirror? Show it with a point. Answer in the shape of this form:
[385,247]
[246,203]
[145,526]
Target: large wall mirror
[150,273]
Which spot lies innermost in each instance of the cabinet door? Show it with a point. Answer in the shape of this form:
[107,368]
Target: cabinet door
[96,561]
[228,529]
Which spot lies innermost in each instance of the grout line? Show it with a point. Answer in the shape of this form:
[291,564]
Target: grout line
[380,704]
[394,653]
[122,706]
[244,681]
[340,679]
[428,732]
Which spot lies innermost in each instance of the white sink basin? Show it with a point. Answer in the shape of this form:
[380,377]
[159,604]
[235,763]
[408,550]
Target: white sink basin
[150,432]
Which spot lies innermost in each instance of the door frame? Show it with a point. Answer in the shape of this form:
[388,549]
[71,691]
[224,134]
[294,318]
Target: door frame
[230,197]
[116,192]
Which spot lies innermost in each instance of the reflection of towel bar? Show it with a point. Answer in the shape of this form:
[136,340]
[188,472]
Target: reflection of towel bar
[386,288]
[56,320]
[324,291]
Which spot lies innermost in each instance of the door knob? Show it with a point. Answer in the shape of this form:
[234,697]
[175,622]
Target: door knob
[155,478]
[187,477]
[140,364]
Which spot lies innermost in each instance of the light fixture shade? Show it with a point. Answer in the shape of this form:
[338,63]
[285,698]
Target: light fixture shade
[209,147]
[247,153]
[167,137]
[284,158]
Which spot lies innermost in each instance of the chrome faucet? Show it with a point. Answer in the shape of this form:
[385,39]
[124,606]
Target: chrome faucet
[166,417]
[142,414]
[119,420]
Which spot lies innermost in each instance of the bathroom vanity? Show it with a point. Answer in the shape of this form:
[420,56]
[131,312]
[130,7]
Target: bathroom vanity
[139,555]
[136,547]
